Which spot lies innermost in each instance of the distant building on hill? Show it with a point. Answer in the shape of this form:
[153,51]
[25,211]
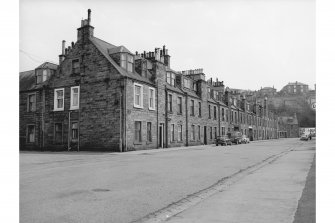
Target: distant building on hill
[295,88]
[267,92]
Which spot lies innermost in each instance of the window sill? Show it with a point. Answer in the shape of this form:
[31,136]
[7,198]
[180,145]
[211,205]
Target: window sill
[55,110]
[76,108]
[152,109]
[138,107]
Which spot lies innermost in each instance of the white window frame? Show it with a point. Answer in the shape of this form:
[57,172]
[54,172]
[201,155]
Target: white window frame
[153,98]
[55,99]
[141,96]
[72,107]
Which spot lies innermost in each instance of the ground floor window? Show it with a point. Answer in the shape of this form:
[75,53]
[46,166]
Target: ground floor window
[31,133]
[172,133]
[149,136]
[180,133]
[199,132]
[215,132]
[223,131]
[193,132]
[210,132]
[138,131]
[74,130]
[58,133]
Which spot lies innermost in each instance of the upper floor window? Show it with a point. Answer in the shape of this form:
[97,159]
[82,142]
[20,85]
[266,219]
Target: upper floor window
[199,104]
[41,75]
[74,97]
[59,99]
[195,87]
[170,102]
[151,98]
[127,62]
[209,112]
[214,113]
[171,78]
[31,102]
[75,66]
[179,101]
[222,114]
[138,96]
[192,107]
[187,83]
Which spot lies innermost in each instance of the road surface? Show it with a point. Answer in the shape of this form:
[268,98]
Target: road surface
[127,187]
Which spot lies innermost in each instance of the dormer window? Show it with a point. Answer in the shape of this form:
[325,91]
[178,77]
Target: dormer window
[187,83]
[171,78]
[41,75]
[127,62]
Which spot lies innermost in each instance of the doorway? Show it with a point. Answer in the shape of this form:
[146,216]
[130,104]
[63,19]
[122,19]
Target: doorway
[205,135]
[161,136]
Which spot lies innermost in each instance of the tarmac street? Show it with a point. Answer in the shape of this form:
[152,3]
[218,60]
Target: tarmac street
[257,182]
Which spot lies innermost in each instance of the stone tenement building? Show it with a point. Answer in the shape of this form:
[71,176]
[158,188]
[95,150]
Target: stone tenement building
[103,97]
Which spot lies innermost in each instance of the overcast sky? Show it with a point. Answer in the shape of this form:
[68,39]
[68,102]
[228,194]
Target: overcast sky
[247,44]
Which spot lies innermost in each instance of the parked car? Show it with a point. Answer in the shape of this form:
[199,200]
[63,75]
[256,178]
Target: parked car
[245,139]
[235,137]
[304,137]
[223,140]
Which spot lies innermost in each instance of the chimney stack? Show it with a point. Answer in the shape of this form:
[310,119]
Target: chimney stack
[62,56]
[89,16]
[63,47]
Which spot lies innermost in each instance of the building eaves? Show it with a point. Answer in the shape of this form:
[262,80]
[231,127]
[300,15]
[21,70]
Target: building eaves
[175,89]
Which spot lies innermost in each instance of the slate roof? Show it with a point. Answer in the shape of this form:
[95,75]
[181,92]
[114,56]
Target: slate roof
[48,65]
[27,80]
[175,89]
[296,83]
[104,48]
[118,49]
[191,93]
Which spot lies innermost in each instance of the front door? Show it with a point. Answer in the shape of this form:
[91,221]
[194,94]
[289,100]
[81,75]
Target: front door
[161,136]
[205,135]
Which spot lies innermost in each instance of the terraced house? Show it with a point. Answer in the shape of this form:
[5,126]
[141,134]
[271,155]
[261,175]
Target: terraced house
[104,97]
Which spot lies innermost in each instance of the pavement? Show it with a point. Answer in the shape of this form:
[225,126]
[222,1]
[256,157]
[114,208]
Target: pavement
[306,207]
[270,194]
[132,186]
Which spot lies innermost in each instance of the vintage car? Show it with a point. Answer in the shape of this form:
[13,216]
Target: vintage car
[245,139]
[235,137]
[305,137]
[223,140]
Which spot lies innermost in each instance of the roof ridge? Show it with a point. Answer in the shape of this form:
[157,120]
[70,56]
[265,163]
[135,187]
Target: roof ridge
[104,41]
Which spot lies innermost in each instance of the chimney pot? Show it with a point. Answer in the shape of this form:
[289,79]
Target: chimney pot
[72,44]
